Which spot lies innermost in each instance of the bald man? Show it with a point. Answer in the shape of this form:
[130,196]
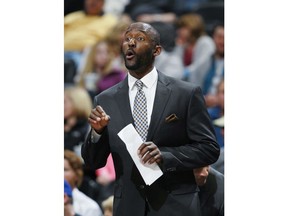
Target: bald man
[178,133]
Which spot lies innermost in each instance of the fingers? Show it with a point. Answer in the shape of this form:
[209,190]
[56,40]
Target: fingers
[101,113]
[98,118]
[98,113]
[149,153]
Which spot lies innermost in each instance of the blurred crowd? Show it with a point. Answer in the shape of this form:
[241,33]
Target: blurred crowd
[192,37]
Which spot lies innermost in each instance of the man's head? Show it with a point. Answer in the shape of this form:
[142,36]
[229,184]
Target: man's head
[140,46]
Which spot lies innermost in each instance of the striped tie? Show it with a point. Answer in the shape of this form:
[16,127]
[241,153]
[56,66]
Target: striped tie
[140,111]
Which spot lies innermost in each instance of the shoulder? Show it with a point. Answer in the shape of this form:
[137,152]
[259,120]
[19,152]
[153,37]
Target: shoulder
[205,39]
[109,19]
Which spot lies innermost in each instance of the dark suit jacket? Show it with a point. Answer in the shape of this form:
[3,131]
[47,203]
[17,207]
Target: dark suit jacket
[212,194]
[185,143]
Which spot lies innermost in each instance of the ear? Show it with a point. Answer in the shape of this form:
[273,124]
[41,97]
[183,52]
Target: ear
[157,50]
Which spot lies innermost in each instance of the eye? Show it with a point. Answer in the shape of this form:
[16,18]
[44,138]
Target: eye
[140,39]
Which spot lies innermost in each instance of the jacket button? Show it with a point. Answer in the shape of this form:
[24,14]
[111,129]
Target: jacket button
[171,169]
[141,187]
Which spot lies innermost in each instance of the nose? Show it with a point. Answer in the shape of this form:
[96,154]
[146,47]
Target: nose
[132,42]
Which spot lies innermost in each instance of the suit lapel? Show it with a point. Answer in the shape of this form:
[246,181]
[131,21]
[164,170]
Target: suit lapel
[122,99]
[161,98]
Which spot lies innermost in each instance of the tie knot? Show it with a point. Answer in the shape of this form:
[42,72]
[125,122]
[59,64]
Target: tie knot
[139,85]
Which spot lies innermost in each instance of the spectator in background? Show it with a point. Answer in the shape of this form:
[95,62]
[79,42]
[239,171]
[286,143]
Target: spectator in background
[77,106]
[85,28]
[99,73]
[218,111]
[73,174]
[216,70]
[194,46]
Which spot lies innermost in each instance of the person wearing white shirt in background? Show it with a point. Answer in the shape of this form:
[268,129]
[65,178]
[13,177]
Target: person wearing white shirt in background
[73,174]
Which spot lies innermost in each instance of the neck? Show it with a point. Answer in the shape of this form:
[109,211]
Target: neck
[140,73]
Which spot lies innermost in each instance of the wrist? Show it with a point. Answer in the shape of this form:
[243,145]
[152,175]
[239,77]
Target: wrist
[98,131]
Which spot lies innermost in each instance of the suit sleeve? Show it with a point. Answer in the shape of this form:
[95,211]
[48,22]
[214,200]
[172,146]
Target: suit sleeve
[202,149]
[95,154]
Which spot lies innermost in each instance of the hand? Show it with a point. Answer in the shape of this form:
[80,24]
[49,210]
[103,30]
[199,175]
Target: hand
[98,119]
[201,175]
[150,153]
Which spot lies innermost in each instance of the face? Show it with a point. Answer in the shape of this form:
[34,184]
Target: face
[101,57]
[69,174]
[139,50]
[218,37]
[94,7]
[183,35]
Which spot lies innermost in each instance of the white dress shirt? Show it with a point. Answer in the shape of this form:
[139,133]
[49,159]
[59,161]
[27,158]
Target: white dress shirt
[149,88]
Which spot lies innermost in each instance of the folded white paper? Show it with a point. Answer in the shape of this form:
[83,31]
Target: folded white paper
[132,140]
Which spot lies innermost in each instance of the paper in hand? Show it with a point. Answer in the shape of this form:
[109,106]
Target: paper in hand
[132,140]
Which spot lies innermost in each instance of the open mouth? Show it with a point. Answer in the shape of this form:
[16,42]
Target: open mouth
[129,54]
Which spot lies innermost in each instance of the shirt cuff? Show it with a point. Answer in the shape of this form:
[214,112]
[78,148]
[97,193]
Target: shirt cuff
[94,136]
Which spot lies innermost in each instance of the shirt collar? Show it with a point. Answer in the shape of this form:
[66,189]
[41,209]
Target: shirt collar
[148,80]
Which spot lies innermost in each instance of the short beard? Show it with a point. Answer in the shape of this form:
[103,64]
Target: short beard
[140,62]
[133,66]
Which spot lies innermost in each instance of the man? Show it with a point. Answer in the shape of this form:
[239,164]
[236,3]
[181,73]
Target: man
[179,136]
